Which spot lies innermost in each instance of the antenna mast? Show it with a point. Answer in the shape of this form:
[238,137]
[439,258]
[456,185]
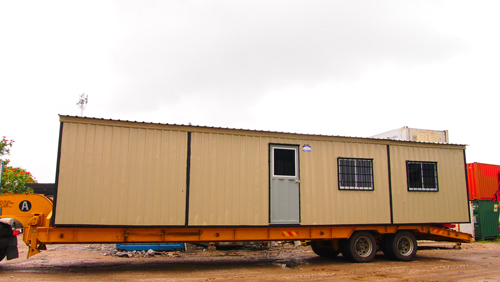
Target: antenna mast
[84,99]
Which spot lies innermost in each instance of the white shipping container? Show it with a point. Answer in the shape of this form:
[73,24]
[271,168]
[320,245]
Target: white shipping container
[468,227]
[406,133]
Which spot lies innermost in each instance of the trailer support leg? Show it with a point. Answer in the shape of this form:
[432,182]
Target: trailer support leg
[33,250]
[33,237]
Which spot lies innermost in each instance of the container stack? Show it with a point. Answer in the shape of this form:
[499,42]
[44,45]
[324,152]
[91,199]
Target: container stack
[483,182]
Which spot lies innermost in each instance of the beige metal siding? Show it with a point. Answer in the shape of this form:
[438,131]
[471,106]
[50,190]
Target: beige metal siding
[230,182]
[323,202]
[115,175]
[448,205]
[127,173]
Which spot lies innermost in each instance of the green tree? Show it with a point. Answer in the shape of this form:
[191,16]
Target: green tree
[13,178]
[5,146]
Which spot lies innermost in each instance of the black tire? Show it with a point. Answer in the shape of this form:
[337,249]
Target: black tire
[361,247]
[3,252]
[344,249]
[5,234]
[402,246]
[321,250]
[385,244]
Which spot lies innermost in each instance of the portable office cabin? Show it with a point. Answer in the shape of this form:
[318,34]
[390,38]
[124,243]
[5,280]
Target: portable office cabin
[121,173]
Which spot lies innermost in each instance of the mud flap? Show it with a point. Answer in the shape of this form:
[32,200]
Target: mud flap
[12,251]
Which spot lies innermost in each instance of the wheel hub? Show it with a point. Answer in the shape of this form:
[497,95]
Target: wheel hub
[405,246]
[363,247]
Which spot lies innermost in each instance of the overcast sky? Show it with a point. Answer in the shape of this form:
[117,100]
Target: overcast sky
[349,68]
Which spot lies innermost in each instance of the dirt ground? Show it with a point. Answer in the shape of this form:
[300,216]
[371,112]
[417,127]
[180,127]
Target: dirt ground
[474,262]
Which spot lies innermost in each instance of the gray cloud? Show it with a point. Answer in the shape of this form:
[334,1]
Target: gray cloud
[237,51]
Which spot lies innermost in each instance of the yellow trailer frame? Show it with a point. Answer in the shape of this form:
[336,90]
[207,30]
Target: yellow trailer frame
[34,212]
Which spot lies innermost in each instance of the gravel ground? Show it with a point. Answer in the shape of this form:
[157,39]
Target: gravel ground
[434,262]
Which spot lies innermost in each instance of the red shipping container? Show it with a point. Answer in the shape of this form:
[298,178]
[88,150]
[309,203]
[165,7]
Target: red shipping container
[482,180]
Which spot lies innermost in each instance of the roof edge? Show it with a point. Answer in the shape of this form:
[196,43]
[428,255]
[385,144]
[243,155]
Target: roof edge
[241,131]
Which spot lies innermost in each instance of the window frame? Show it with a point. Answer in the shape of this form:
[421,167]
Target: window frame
[356,180]
[296,156]
[423,177]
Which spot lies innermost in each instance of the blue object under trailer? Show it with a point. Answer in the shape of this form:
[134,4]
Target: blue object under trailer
[147,247]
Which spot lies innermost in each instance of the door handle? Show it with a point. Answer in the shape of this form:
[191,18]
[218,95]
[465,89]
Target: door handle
[297,181]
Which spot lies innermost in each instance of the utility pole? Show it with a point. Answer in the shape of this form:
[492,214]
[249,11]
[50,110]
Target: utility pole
[84,99]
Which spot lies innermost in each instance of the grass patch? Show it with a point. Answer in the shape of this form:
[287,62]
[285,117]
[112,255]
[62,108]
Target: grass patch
[494,240]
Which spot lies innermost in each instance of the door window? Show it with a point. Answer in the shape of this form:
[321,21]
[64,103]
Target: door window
[284,162]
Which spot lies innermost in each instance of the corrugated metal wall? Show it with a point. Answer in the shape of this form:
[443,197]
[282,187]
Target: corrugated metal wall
[125,173]
[230,182]
[324,203]
[483,180]
[114,175]
[450,204]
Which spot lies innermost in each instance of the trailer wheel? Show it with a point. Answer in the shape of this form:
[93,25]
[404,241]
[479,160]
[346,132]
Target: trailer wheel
[8,242]
[361,247]
[5,231]
[324,251]
[402,246]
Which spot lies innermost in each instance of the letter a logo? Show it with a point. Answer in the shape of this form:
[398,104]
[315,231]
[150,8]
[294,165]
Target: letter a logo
[25,206]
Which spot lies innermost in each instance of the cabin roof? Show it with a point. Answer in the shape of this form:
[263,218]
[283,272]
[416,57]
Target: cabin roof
[227,130]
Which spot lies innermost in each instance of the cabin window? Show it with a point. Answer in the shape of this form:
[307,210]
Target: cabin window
[422,176]
[355,174]
[284,162]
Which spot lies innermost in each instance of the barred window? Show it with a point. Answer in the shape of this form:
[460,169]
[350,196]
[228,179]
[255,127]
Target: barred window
[355,174]
[422,176]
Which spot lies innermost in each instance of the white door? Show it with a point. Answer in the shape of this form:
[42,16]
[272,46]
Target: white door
[284,185]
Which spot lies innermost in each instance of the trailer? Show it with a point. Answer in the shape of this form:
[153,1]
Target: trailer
[133,182]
